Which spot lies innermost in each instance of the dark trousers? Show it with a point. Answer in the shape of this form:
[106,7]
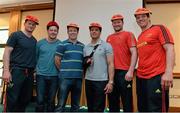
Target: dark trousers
[95,95]
[123,89]
[19,92]
[67,85]
[46,91]
[150,96]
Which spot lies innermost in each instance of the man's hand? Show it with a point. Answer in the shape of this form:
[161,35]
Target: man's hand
[129,75]
[167,80]
[108,88]
[6,76]
[90,60]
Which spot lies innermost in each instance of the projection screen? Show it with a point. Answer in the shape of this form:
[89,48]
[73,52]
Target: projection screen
[83,12]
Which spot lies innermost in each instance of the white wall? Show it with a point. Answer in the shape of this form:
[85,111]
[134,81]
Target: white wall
[83,12]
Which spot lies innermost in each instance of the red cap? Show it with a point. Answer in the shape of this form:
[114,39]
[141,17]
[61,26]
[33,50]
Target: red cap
[116,17]
[95,24]
[142,11]
[53,23]
[32,18]
[73,25]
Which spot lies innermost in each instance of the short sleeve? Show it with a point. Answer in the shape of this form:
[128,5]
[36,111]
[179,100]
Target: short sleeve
[38,45]
[60,49]
[131,40]
[109,49]
[84,51]
[165,35]
[12,40]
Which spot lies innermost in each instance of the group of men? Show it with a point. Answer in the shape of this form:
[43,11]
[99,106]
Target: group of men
[110,67]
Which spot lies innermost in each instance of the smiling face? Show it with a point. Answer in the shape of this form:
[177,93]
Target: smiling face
[95,32]
[72,33]
[117,25]
[143,20]
[29,26]
[52,32]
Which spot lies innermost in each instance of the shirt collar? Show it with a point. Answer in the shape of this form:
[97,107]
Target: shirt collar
[99,42]
[77,42]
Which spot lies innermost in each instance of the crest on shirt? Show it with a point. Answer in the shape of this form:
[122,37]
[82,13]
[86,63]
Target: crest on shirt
[142,44]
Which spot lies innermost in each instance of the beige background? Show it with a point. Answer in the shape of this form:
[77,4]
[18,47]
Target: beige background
[169,15]
[4,20]
[44,17]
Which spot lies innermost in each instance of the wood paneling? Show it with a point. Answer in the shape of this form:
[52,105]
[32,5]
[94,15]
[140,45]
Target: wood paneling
[28,7]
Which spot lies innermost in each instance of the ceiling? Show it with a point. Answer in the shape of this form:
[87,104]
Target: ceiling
[8,3]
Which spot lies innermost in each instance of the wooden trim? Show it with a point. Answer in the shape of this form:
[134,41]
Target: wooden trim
[174,109]
[2,45]
[41,6]
[54,10]
[161,1]
[176,75]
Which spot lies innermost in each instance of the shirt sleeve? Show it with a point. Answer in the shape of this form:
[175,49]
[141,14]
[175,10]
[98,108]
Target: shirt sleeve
[37,50]
[131,40]
[12,40]
[84,52]
[60,49]
[109,49]
[165,35]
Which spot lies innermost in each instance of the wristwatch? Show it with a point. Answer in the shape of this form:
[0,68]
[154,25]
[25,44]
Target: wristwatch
[111,82]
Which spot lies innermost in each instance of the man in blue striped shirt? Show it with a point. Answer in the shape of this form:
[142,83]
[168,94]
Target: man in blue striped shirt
[69,60]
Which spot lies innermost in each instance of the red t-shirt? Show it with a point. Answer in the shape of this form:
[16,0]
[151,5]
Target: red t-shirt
[152,56]
[121,43]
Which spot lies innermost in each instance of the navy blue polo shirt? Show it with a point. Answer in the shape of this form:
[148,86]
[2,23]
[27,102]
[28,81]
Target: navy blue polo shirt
[24,50]
[71,59]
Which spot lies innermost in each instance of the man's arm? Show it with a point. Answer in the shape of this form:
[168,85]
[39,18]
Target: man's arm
[6,63]
[57,61]
[167,77]
[129,74]
[110,61]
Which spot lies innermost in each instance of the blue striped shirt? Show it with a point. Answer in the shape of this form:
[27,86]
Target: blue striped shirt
[71,59]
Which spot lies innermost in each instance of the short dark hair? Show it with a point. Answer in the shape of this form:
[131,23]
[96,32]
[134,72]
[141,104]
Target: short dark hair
[120,19]
[147,14]
[50,26]
[74,27]
[100,29]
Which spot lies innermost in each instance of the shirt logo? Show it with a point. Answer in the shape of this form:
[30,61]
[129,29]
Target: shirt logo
[142,44]
[129,86]
[158,91]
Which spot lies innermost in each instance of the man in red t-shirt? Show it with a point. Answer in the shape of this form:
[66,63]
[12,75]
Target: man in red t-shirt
[155,67]
[125,57]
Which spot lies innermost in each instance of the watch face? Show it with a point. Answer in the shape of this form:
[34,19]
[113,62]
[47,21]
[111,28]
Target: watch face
[111,82]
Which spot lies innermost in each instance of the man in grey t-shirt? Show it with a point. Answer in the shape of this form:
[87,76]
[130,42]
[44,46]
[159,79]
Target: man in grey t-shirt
[100,73]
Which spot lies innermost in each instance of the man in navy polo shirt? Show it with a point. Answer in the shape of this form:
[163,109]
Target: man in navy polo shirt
[69,60]
[19,61]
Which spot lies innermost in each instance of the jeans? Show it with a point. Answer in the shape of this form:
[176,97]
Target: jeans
[66,85]
[19,93]
[46,91]
[95,95]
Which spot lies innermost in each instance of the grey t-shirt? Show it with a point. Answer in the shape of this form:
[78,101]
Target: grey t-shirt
[98,70]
